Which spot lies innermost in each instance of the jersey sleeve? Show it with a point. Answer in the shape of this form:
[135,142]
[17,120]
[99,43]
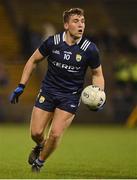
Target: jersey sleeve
[93,56]
[46,46]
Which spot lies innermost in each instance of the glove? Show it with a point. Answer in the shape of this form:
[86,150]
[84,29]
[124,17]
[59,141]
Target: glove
[14,98]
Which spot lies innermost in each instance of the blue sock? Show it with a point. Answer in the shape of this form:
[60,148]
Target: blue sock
[40,162]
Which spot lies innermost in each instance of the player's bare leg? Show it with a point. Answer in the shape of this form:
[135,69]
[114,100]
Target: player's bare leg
[61,120]
[39,121]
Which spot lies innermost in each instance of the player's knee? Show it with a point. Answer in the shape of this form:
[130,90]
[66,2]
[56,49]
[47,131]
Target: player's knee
[37,133]
[55,135]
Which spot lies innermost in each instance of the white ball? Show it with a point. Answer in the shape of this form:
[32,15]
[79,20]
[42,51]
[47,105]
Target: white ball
[93,97]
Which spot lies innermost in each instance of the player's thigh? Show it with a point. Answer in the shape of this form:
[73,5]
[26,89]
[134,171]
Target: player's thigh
[39,120]
[61,120]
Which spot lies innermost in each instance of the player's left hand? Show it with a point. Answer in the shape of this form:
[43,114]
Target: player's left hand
[14,98]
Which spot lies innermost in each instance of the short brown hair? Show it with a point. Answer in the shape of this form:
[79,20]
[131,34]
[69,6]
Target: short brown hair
[70,12]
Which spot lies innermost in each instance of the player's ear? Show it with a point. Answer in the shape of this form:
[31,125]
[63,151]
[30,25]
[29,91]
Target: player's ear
[66,26]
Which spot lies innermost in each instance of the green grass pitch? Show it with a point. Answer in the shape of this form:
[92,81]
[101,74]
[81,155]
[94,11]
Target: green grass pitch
[86,152]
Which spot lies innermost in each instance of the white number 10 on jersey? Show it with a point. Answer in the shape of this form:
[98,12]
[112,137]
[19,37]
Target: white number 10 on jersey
[67,56]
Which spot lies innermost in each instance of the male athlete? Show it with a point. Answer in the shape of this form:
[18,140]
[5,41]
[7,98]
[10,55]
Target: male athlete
[68,54]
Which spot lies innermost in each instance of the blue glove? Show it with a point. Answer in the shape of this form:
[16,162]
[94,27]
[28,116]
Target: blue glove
[14,98]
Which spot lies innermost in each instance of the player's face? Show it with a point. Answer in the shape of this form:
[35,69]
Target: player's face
[75,26]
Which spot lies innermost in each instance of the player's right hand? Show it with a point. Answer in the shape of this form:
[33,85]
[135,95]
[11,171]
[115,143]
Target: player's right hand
[14,98]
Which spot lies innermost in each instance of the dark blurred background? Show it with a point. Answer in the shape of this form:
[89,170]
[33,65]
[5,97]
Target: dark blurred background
[111,24]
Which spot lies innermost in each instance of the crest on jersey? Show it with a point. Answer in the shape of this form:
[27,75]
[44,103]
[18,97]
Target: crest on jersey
[41,99]
[78,57]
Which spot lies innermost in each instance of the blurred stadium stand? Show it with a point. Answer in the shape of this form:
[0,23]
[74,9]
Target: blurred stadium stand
[9,45]
[110,23]
[123,14]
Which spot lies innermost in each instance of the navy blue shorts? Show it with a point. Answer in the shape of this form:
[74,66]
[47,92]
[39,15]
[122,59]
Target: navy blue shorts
[48,102]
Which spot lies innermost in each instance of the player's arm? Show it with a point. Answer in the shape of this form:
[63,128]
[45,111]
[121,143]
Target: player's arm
[28,69]
[98,80]
[97,77]
[30,66]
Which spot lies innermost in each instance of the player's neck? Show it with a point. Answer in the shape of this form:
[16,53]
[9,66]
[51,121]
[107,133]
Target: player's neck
[70,39]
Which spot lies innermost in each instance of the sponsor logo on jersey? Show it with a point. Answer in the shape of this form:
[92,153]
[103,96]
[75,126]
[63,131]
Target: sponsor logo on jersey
[78,57]
[55,52]
[41,99]
[69,68]
[67,52]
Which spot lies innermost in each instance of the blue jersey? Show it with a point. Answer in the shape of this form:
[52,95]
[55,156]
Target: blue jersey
[67,64]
